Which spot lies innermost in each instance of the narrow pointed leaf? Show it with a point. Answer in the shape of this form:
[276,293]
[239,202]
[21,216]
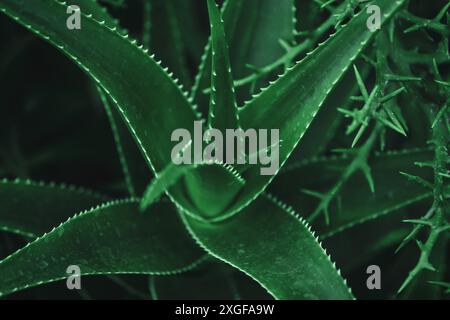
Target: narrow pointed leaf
[168,41]
[135,170]
[223,107]
[253,37]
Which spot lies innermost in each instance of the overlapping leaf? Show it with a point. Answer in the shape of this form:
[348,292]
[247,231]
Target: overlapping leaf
[223,107]
[138,85]
[114,238]
[150,102]
[292,102]
[32,208]
[273,246]
[253,36]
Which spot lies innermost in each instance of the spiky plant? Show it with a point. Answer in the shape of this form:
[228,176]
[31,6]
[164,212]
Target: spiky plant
[364,132]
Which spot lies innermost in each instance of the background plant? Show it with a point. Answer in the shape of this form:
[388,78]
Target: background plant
[363,119]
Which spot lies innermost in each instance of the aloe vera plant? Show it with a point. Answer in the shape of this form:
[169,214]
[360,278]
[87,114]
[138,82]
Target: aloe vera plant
[358,91]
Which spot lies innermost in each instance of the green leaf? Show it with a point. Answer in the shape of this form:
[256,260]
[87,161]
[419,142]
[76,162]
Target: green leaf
[141,89]
[203,185]
[316,138]
[163,181]
[135,170]
[32,208]
[292,102]
[167,36]
[268,242]
[114,238]
[253,36]
[115,3]
[260,27]
[92,7]
[289,104]
[148,99]
[223,107]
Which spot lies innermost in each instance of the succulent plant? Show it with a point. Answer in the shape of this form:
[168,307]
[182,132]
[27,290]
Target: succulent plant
[363,119]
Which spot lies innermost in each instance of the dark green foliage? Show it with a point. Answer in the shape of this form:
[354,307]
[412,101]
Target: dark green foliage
[364,135]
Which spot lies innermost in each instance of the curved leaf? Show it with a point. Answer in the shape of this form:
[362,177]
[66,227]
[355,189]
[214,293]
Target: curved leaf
[92,7]
[33,208]
[203,184]
[152,105]
[163,181]
[111,239]
[140,88]
[274,247]
[292,102]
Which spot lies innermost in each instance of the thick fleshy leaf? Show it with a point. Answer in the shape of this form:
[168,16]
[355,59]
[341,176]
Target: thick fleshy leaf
[114,238]
[209,188]
[150,102]
[316,138]
[203,187]
[222,107]
[272,245]
[162,182]
[289,105]
[92,7]
[33,208]
[253,36]
[140,88]
[292,102]
[72,138]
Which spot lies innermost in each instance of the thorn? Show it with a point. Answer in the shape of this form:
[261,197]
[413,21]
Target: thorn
[392,95]
[365,168]
[419,221]
[313,193]
[361,84]
[358,135]
[418,180]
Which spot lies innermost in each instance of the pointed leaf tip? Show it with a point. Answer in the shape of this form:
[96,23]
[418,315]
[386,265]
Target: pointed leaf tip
[222,107]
